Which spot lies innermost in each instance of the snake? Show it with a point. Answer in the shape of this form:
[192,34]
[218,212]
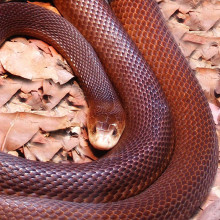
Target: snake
[129,66]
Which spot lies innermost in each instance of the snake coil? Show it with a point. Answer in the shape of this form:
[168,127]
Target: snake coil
[116,186]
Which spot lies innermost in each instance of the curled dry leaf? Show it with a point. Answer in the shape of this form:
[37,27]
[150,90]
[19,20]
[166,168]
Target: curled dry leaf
[34,99]
[84,149]
[80,118]
[14,131]
[41,45]
[209,51]
[195,26]
[179,30]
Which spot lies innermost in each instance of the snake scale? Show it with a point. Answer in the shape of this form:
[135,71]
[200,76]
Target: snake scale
[142,177]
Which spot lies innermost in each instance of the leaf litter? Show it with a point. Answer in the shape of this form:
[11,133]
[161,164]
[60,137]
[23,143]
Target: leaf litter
[42,108]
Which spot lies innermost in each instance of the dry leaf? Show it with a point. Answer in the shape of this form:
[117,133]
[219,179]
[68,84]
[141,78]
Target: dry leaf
[28,154]
[32,63]
[2,70]
[7,89]
[14,105]
[204,17]
[169,8]
[212,212]
[39,138]
[208,79]
[70,142]
[18,128]
[215,112]
[198,38]
[77,97]
[78,158]
[55,93]
[45,152]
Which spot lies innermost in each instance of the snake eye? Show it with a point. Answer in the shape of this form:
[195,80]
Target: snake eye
[94,130]
[114,133]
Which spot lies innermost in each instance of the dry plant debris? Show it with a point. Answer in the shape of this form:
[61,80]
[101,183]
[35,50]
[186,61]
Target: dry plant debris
[42,109]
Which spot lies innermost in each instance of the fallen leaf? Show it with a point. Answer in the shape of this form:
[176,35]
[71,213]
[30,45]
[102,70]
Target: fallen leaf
[199,39]
[212,212]
[18,128]
[55,92]
[32,63]
[28,154]
[77,158]
[61,157]
[208,79]
[14,105]
[45,152]
[39,138]
[70,142]
[169,8]
[77,97]
[215,112]
[2,70]
[8,88]
[204,17]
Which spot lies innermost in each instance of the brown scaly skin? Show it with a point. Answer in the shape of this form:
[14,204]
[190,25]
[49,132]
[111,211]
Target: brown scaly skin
[133,163]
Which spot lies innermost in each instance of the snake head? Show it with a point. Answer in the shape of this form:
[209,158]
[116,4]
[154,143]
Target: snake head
[105,132]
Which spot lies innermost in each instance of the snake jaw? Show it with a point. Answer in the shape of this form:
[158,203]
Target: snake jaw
[104,136]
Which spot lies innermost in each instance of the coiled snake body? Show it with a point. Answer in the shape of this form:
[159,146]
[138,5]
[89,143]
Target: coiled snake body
[115,187]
